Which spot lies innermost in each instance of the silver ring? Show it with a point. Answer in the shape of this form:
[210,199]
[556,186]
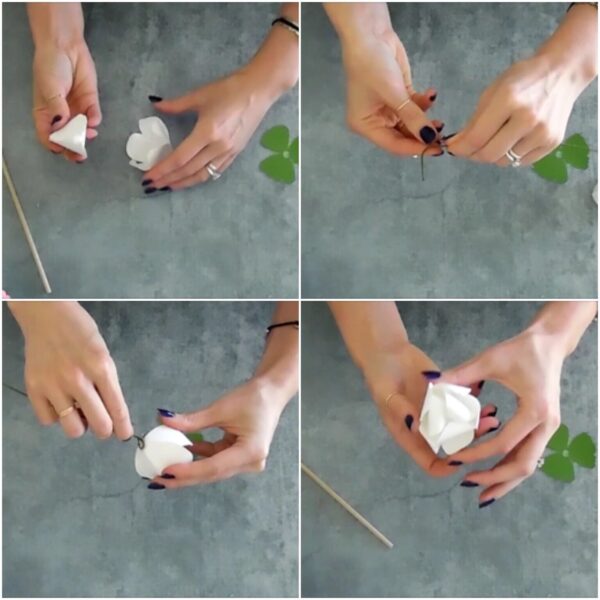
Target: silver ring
[514,158]
[213,172]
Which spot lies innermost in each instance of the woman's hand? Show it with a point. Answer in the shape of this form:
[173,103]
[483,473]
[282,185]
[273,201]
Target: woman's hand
[398,383]
[248,417]
[67,362]
[527,109]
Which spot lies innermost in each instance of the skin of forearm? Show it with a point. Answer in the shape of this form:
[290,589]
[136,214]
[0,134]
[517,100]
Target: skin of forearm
[353,21]
[278,367]
[369,328]
[573,46]
[56,24]
[566,322]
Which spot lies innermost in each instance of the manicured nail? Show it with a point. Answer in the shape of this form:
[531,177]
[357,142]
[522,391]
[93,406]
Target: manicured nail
[480,384]
[433,97]
[450,153]
[440,154]
[56,119]
[431,374]
[147,182]
[149,190]
[494,413]
[495,428]
[165,413]
[467,483]
[168,476]
[450,135]
[487,503]
[455,463]
[154,98]
[440,127]
[409,421]
[165,189]
[427,134]
[156,486]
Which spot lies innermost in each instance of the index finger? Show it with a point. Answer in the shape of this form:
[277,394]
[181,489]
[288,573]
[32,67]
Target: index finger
[394,142]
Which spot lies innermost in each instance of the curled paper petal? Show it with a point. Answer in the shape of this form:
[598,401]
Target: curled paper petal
[163,447]
[147,148]
[449,417]
[72,135]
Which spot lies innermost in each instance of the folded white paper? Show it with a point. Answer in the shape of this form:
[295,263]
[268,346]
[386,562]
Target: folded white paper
[449,417]
[163,447]
[72,135]
[150,146]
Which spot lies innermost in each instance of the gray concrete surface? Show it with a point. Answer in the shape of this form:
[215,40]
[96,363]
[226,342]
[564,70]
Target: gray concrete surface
[78,521]
[372,228]
[540,540]
[98,235]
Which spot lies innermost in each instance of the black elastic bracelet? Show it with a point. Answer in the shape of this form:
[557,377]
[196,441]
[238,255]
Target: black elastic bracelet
[295,324]
[576,3]
[289,24]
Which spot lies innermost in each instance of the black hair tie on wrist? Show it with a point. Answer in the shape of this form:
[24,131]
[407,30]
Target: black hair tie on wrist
[294,324]
[287,23]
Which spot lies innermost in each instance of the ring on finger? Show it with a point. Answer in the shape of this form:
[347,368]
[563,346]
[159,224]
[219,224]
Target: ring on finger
[67,411]
[213,171]
[388,399]
[515,159]
[401,106]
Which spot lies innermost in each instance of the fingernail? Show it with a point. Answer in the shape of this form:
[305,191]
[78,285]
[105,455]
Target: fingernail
[467,483]
[149,190]
[450,153]
[165,413]
[440,127]
[156,486]
[431,374]
[409,421]
[450,135]
[433,97]
[427,134]
[147,182]
[440,154]
[455,463]
[495,428]
[56,119]
[165,189]
[487,503]
[480,384]
[168,476]
[154,98]
[493,414]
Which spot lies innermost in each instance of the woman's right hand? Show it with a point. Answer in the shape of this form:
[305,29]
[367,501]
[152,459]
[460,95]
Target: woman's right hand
[67,361]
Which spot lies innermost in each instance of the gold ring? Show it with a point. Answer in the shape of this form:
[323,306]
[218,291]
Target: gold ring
[399,108]
[386,402]
[59,95]
[66,412]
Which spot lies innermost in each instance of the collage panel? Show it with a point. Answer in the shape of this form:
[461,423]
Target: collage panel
[524,528]
[409,111]
[85,516]
[183,105]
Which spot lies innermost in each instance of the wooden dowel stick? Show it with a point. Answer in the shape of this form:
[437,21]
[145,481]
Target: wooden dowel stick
[25,226]
[329,490]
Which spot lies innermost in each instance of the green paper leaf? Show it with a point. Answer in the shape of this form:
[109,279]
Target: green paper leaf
[276,139]
[560,440]
[575,151]
[294,150]
[552,168]
[582,450]
[195,437]
[278,168]
[558,467]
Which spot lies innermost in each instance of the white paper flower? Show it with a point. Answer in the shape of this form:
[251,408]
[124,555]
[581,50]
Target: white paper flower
[163,447]
[72,135]
[449,417]
[150,146]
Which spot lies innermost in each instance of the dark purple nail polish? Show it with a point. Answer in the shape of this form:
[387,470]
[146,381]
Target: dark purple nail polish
[450,135]
[165,189]
[494,412]
[154,98]
[440,127]
[147,182]
[427,134]
[149,190]
[495,428]
[487,503]
[481,383]
[455,463]
[467,483]
[409,421]
[450,153]
[156,486]
[56,119]
[168,476]
[431,374]
[440,154]
[433,97]
[165,413]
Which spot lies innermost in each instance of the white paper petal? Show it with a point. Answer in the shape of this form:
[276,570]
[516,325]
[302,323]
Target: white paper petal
[458,442]
[143,466]
[72,135]
[154,127]
[150,146]
[163,455]
[162,433]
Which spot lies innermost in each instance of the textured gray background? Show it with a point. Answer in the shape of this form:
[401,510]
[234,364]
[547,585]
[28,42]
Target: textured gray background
[78,521]
[372,228]
[98,234]
[540,540]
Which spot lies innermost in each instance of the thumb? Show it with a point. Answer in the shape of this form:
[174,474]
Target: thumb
[189,422]
[58,111]
[186,103]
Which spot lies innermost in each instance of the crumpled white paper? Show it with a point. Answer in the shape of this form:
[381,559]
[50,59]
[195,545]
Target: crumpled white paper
[72,135]
[449,417]
[150,146]
[163,447]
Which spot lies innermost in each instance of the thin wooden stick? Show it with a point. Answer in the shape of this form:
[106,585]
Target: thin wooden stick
[25,226]
[347,506]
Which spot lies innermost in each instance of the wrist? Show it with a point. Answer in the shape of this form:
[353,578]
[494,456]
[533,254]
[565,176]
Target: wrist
[56,25]
[270,82]
[275,386]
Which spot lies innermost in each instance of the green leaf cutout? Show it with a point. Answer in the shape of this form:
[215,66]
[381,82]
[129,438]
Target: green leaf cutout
[294,150]
[276,139]
[558,467]
[583,451]
[552,168]
[195,437]
[575,151]
[560,440]
[278,168]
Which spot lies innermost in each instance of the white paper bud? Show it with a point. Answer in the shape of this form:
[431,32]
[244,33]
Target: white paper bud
[147,148]
[72,135]
[449,417]
[163,447]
